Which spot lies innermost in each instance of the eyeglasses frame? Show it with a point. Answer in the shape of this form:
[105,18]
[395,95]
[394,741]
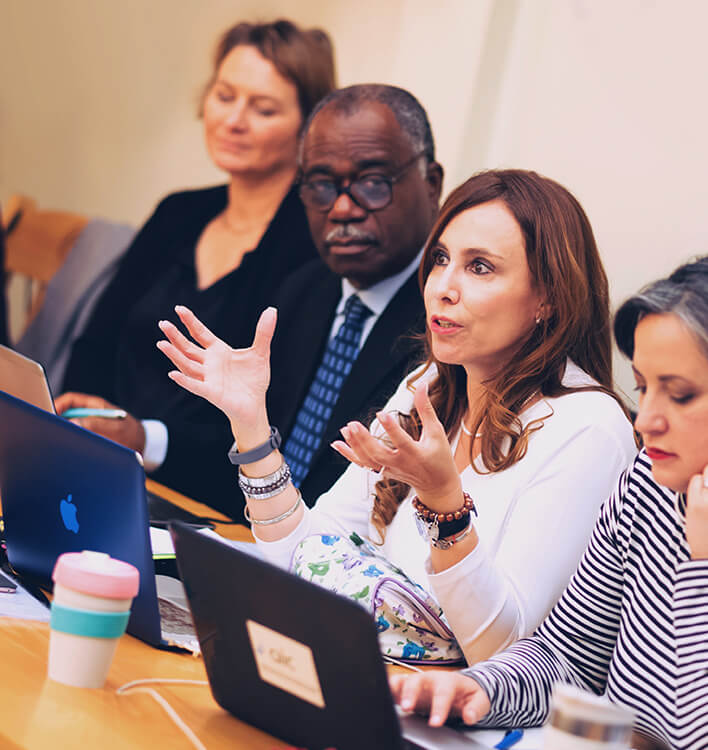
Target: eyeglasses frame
[340,188]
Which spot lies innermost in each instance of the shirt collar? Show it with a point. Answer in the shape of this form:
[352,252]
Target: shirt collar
[377,296]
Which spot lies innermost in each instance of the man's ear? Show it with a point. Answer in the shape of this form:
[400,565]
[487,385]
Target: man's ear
[434,181]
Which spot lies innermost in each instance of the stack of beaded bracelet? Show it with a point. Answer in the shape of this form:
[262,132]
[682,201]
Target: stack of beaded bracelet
[442,530]
[262,488]
[434,517]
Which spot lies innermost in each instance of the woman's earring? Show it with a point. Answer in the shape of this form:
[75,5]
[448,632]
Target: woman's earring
[538,318]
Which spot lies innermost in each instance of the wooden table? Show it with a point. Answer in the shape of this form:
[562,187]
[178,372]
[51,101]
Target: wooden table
[37,713]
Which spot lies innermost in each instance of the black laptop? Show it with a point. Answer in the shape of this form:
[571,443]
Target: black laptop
[292,658]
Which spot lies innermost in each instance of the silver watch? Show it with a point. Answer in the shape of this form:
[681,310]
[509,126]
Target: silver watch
[430,531]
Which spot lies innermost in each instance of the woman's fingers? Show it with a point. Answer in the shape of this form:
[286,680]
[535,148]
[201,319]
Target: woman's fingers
[428,417]
[188,366]
[395,684]
[178,339]
[343,449]
[697,515]
[265,328]
[409,691]
[197,387]
[399,438]
[371,450]
[443,693]
[475,707]
[197,330]
[438,693]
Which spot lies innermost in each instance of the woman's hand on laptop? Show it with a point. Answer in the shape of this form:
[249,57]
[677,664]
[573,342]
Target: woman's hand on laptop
[440,694]
[120,426]
[233,380]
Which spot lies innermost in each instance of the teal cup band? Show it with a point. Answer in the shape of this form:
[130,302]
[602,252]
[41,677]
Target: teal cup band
[87,623]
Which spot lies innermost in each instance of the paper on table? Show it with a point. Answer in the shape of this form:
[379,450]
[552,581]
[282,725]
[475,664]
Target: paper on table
[161,542]
[22,606]
[532,739]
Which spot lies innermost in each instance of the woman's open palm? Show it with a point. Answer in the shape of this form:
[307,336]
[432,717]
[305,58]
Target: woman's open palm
[233,380]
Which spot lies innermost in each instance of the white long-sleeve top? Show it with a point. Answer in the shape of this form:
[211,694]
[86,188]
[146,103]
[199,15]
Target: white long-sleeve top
[534,518]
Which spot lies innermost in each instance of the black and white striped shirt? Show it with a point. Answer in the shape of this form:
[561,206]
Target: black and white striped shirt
[633,622]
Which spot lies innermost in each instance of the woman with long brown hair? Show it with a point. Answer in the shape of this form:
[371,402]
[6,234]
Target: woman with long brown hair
[499,447]
[645,645]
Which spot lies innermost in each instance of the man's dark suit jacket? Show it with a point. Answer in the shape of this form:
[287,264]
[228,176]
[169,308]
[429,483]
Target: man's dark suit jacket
[307,303]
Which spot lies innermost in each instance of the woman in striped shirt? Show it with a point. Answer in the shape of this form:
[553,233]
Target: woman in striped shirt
[633,622]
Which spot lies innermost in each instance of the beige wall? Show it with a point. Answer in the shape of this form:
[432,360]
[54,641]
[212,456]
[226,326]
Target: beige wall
[97,101]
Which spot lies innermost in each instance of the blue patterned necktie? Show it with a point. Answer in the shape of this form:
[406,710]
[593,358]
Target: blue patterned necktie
[316,409]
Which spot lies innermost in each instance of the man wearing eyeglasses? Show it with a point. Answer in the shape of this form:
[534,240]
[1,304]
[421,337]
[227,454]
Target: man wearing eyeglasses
[371,187]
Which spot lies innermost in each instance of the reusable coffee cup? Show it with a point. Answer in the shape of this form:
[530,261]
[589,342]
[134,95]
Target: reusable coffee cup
[580,720]
[90,611]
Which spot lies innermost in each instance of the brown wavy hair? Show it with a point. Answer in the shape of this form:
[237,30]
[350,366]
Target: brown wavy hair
[566,268]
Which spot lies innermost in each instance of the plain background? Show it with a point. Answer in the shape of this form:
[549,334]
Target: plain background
[98,102]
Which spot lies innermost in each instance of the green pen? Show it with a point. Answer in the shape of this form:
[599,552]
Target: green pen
[78,412]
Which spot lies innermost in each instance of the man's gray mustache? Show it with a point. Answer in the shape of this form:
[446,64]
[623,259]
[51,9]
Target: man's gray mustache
[348,233]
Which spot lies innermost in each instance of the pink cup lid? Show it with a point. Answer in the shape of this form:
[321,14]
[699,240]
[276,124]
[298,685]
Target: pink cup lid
[97,573]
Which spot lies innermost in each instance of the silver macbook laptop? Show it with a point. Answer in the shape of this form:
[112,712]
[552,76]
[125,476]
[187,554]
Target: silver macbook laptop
[25,379]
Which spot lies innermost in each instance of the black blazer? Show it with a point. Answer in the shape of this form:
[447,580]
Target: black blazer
[307,304]
[116,357]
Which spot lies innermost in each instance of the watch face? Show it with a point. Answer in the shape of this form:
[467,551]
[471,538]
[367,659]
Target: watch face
[427,529]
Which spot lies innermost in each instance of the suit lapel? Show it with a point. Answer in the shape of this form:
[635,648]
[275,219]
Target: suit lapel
[382,352]
[305,350]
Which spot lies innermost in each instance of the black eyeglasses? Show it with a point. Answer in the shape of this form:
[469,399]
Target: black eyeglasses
[371,192]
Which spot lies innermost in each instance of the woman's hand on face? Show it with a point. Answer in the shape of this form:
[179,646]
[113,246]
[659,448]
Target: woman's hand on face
[697,516]
[233,380]
[440,694]
[426,464]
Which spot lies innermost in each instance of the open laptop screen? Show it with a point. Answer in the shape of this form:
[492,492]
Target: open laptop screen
[25,379]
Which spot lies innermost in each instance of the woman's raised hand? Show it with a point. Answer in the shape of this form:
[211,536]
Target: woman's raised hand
[234,380]
[427,464]
[440,694]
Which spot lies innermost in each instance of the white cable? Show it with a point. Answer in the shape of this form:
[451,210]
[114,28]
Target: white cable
[176,718]
[391,660]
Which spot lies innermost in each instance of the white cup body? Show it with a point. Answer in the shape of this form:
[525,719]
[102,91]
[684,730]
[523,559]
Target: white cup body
[79,660]
[580,720]
[556,739]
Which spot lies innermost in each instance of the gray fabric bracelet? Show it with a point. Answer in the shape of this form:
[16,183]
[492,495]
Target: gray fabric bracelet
[257,453]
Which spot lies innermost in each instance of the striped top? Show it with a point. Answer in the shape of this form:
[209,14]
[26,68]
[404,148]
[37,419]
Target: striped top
[633,622]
